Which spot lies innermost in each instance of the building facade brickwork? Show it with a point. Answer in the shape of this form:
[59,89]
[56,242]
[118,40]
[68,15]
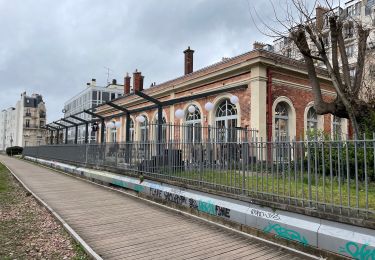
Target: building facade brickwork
[256,78]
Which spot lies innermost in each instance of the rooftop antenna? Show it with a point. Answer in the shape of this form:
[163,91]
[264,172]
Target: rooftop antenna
[108,73]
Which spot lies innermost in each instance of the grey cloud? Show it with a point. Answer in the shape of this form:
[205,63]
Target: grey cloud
[54,47]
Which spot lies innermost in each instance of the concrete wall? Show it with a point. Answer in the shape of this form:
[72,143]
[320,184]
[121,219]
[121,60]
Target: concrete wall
[338,238]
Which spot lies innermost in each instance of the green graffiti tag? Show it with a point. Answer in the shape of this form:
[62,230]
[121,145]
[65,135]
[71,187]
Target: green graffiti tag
[286,233]
[117,183]
[357,252]
[138,188]
[207,207]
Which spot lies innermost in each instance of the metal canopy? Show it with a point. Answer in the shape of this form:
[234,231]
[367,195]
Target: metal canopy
[93,114]
[125,111]
[177,100]
[102,123]
[86,126]
[78,119]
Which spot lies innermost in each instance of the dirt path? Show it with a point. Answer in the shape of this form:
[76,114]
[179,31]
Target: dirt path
[27,229]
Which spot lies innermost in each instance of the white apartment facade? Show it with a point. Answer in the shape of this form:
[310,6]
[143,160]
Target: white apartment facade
[91,96]
[362,11]
[23,124]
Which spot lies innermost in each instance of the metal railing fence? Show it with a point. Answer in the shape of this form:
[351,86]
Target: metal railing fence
[334,176]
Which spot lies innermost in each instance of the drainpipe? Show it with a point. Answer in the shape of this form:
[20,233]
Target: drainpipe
[269,105]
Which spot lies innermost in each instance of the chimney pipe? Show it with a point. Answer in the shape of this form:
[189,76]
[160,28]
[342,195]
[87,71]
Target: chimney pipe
[137,81]
[258,45]
[188,60]
[93,82]
[127,84]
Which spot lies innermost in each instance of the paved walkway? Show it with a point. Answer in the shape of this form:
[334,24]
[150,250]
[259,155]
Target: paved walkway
[117,226]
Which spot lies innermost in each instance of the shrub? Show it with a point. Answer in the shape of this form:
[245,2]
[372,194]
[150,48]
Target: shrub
[14,150]
[342,155]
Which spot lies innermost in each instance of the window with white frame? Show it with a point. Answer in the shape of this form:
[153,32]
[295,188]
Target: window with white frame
[144,130]
[348,30]
[336,127]
[282,121]
[349,50]
[131,130]
[193,129]
[226,121]
[312,120]
[354,9]
[113,135]
[163,127]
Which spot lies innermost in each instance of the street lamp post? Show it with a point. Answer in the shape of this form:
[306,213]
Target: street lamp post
[11,144]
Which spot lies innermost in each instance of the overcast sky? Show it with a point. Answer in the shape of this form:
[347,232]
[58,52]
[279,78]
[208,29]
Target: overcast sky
[55,47]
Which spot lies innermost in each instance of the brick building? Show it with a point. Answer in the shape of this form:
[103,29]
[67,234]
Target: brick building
[274,97]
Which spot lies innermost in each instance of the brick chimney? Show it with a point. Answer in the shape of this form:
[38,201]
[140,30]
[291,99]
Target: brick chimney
[258,45]
[137,81]
[127,84]
[319,13]
[188,60]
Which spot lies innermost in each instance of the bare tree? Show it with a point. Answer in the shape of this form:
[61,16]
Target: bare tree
[309,35]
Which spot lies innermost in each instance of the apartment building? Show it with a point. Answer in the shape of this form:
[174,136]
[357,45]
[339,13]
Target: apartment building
[23,124]
[354,11]
[91,96]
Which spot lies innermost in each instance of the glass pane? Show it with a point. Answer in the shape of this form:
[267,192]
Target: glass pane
[281,110]
[281,128]
[226,109]
[105,96]
[220,131]
[197,132]
[193,116]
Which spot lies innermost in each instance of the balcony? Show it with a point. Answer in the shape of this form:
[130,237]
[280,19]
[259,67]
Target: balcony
[27,114]
[348,36]
[30,126]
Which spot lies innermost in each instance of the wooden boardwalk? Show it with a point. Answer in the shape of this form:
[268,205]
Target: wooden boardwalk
[117,226]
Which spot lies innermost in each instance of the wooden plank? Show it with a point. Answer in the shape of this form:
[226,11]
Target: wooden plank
[121,227]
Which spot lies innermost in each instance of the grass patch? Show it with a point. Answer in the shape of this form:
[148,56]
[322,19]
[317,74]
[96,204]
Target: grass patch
[27,230]
[334,191]
[4,179]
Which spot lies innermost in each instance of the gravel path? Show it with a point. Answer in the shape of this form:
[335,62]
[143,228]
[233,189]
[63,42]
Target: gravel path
[27,229]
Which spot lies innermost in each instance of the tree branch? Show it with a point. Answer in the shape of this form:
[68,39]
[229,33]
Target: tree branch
[344,58]
[334,33]
[362,44]
[299,38]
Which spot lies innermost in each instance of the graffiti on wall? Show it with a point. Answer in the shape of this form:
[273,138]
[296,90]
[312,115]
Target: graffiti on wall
[178,198]
[357,251]
[264,214]
[286,233]
[206,207]
[138,188]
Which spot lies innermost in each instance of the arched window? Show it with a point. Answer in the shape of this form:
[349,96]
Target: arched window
[226,121]
[144,130]
[336,127]
[113,136]
[281,121]
[131,130]
[193,130]
[164,128]
[312,120]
